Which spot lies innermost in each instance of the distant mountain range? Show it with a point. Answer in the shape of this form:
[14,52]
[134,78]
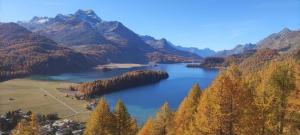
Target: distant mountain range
[206,52]
[236,50]
[164,44]
[284,41]
[88,33]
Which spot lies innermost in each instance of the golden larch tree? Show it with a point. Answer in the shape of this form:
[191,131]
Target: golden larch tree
[125,125]
[186,110]
[147,128]
[101,120]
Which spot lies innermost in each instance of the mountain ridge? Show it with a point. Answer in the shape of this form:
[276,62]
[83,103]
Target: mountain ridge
[86,31]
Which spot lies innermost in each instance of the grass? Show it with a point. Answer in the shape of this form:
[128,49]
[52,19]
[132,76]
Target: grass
[27,95]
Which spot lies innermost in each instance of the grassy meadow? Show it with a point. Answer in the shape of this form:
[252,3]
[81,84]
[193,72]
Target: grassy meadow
[42,97]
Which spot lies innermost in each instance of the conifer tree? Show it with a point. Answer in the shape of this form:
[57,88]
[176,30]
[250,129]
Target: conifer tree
[27,127]
[34,125]
[277,82]
[186,110]
[206,119]
[148,128]
[22,128]
[125,125]
[134,127]
[163,123]
[222,106]
[101,121]
[283,81]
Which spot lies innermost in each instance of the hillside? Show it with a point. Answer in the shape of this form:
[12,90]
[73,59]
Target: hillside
[23,52]
[269,48]
[285,41]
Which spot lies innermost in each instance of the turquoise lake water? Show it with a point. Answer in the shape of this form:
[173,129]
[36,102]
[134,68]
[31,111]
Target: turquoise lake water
[144,101]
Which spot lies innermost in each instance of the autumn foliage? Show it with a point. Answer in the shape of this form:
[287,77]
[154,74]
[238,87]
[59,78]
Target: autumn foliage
[127,80]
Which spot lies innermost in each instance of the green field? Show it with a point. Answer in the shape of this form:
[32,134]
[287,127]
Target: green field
[41,97]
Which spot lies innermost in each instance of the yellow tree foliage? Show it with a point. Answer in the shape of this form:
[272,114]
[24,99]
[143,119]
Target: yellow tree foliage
[134,127]
[22,128]
[184,115]
[148,128]
[30,127]
[163,123]
[101,121]
[125,125]
[223,106]
[277,83]
[283,81]
[206,117]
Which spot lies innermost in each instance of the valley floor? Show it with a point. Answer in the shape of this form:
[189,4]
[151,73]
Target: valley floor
[42,97]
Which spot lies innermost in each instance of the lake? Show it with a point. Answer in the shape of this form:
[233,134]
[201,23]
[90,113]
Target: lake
[144,101]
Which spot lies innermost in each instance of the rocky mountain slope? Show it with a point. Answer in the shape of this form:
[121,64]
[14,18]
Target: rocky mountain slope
[87,32]
[285,41]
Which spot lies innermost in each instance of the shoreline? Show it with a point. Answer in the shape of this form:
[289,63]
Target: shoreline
[119,66]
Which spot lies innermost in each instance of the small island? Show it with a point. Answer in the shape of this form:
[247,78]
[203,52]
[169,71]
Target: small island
[124,81]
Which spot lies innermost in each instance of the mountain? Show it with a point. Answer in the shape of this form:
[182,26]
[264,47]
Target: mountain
[166,46]
[285,41]
[236,50]
[23,52]
[206,52]
[74,29]
[88,33]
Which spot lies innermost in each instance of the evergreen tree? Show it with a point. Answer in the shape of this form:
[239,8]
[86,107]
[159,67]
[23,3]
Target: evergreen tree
[101,121]
[125,125]
[187,108]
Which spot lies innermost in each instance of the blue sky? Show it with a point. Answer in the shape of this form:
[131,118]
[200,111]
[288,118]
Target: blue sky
[216,24]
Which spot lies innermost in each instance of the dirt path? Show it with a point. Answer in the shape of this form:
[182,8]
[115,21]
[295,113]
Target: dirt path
[63,103]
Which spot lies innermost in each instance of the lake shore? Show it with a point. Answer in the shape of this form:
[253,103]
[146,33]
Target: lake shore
[119,65]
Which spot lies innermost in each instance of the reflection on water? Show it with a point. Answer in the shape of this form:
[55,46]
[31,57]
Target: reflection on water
[144,101]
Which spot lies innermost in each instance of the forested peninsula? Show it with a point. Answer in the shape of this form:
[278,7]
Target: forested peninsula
[124,81]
